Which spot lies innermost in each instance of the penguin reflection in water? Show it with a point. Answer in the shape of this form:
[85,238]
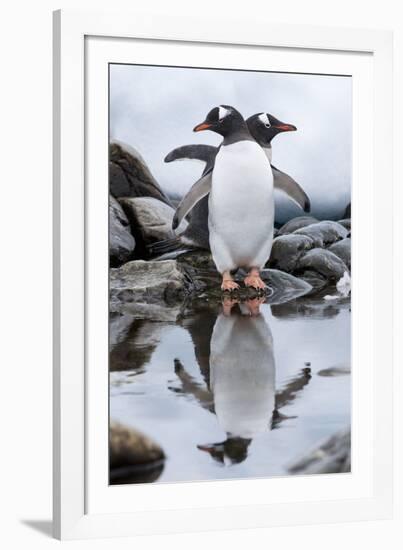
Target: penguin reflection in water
[241,390]
[241,202]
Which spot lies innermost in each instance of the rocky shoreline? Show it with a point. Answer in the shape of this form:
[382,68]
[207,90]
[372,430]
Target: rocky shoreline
[308,255]
[310,258]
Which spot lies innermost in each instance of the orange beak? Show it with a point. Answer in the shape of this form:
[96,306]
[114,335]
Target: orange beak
[201,127]
[285,127]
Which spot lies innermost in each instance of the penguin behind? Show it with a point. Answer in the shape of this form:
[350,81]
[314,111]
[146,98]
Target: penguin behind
[241,203]
[264,127]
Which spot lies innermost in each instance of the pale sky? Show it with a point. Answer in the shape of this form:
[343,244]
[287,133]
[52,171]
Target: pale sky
[154,109]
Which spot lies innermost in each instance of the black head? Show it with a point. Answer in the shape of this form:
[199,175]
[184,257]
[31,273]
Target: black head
[264,127]
[223,120]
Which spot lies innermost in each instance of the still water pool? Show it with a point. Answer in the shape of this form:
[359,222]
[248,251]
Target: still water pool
[233,395]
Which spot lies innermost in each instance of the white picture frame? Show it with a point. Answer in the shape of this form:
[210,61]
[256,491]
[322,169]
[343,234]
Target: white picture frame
[84,505]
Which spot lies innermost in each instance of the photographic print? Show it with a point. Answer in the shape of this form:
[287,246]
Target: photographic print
[230,266]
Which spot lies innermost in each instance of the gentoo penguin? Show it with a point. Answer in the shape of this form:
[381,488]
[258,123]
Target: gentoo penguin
[263,128]
[241,203]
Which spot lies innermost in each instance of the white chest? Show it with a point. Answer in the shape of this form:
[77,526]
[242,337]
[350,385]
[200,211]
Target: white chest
[242,178]
[241,207]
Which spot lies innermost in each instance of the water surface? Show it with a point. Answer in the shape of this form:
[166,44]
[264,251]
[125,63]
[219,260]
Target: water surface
[235,395]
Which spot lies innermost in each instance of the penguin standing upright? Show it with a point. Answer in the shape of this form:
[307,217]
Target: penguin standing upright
[263,127]
[241,203]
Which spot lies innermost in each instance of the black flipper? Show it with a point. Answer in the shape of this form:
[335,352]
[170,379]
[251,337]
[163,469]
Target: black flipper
[285,183]
[197,151]
[198,190]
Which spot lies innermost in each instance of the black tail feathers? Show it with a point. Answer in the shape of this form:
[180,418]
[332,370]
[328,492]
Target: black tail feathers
[163,247]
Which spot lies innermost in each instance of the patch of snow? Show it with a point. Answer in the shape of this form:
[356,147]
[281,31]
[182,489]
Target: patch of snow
[343,287]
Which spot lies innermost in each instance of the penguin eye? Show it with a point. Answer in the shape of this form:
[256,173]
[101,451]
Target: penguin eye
[268,125]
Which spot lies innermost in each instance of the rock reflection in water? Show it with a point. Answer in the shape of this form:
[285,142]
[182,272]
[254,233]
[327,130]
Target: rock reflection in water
[132,347]
[236,357]
[314,307]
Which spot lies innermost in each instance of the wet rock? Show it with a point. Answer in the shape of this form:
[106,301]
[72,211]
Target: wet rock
[201,268]
[138,287]
[287,250]
[315,279]
[323,233]
[284,286]
[133,456]
[324,262]
[335,371]
[342,249]
[129,175]
[296,223]
[150,221]
[331,457]
[198,259]
[147,283]
[346,223]
[121,241]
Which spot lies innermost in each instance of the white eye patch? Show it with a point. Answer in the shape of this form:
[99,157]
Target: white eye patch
[223,112]
[264,119]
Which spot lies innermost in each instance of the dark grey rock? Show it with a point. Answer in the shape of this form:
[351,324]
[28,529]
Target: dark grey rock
[133,456]
[296,223]
[150,221]
[121,241]
[342,249]
[331,457]
[284,287]
[323,233]
[129,175]
[287,250]
[347,212]
[346,223]
[323,262]
[315,279]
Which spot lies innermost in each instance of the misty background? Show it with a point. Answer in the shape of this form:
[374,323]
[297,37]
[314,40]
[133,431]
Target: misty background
[154,109]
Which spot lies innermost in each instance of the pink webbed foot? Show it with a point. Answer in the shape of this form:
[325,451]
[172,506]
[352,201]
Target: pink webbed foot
[229,285]
[253,280]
